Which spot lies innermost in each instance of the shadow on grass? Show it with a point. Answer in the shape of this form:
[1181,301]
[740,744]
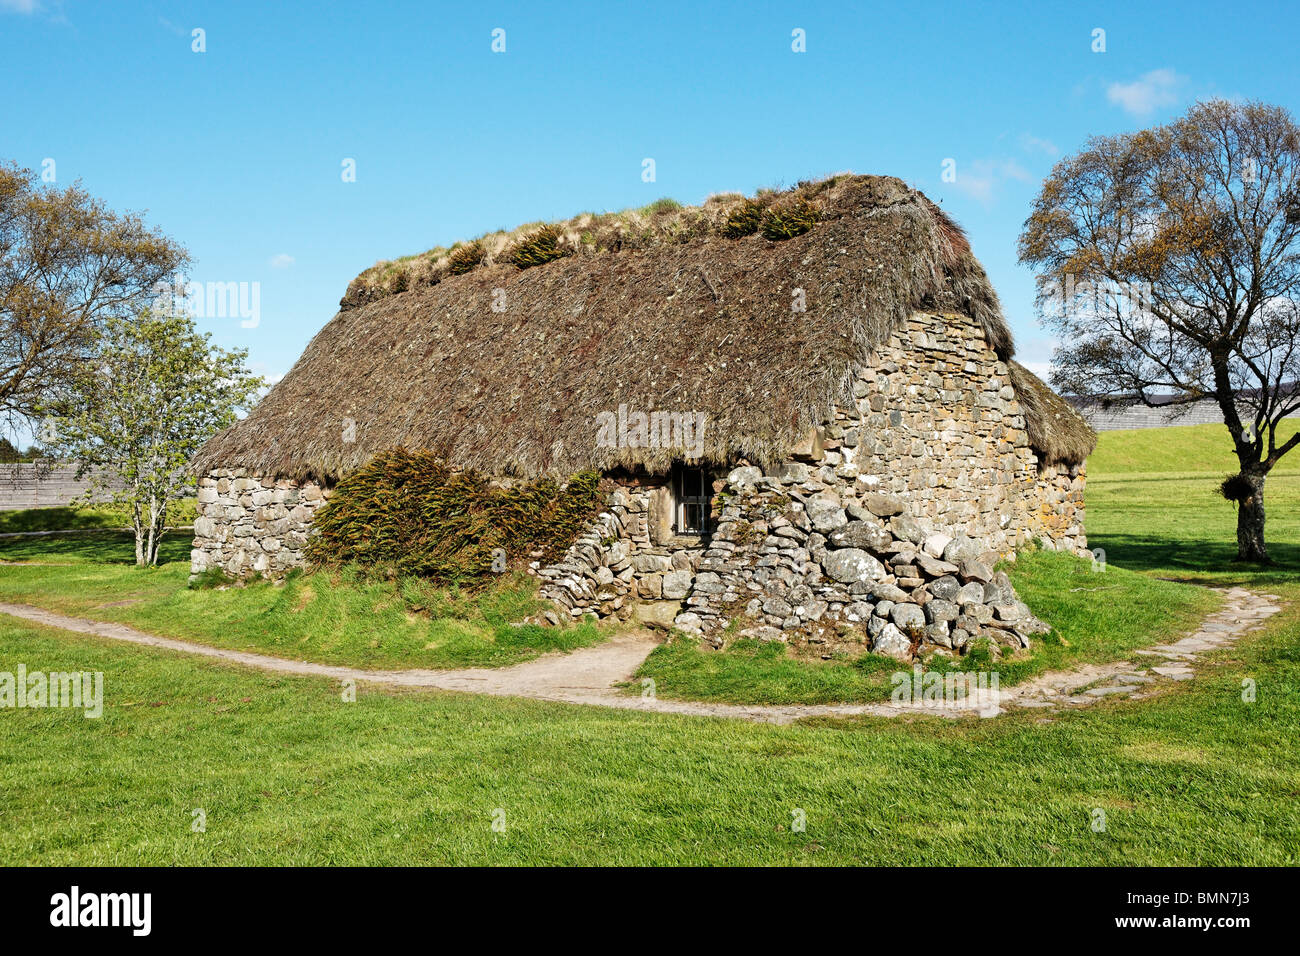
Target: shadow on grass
[1192,560]
[61,518]
[106,547]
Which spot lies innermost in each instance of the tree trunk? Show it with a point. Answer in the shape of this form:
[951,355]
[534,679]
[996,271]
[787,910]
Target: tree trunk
[155,537]
[155,532]
[1250,522]
[137,524]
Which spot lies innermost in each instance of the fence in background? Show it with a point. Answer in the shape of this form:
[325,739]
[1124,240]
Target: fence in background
[39,485]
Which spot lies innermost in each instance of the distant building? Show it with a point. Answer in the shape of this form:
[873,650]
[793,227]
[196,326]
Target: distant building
[42,484]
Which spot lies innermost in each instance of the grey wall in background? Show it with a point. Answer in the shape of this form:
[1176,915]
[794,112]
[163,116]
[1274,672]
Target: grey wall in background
[39,485]
[1140,416]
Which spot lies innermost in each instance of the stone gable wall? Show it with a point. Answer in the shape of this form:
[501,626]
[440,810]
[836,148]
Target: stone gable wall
[882,530]
[248,525]
[937,423]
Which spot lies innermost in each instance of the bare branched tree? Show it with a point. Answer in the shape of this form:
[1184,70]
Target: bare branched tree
[1169,268]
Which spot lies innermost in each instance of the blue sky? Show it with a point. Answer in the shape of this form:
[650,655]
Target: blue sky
[237,151]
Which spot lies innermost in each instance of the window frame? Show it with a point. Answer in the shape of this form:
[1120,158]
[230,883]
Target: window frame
[688,505]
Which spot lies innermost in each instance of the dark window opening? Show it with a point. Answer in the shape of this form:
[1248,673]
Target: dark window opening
[692,497]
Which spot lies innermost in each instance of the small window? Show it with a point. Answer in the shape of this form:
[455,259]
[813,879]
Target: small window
[691,495]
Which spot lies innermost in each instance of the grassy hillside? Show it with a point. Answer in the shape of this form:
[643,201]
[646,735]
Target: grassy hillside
[1153,505]
[1182,449]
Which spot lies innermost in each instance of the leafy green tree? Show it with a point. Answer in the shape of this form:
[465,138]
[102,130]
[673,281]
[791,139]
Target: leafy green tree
[1169,265]
[67,263]
[133,417]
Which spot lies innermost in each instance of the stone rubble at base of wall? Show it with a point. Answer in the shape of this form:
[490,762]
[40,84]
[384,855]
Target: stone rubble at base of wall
[793,561]
[248,525]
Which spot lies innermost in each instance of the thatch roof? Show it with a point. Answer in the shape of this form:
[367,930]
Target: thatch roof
[666,313]
[1055,428]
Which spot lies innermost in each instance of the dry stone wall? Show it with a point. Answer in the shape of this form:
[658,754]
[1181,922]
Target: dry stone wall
[251,525]
[796,559]
[629,563]
[882,530]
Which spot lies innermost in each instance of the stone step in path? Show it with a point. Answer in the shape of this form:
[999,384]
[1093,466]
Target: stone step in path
[591,675]
[1242,611]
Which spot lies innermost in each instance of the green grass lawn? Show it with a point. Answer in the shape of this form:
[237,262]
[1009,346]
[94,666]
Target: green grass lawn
[1152,506]
[287,772]
[334,618]
[85,518]
[88,546]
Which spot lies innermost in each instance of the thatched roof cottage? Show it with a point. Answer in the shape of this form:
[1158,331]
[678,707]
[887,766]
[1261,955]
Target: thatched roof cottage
[808,402]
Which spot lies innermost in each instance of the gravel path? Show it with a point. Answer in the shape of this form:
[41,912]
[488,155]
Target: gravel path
[588,675]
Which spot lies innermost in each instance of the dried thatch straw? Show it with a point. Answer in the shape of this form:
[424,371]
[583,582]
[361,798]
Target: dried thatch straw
[1055,429]
[658,311]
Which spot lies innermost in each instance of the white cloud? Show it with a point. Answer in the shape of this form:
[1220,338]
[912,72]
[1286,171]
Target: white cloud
[282,261]
[1032,144]
[979,178]
[18,6]
[270,377]
[1149,92]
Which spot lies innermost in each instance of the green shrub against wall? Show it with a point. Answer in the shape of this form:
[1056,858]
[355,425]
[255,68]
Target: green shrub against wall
[409,511]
